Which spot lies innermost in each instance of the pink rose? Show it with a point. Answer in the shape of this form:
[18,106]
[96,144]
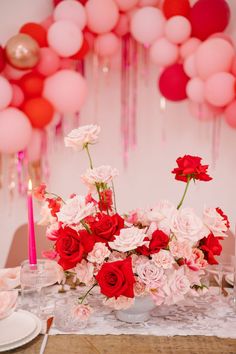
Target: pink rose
[84,272]
[121,303]
[180,249]
[99,253]
[163,259]
[136,260]
[151,275]
[79,138]
[138,217]
[215,222]
[196,261]
[158,296]
[129,239]
[186,225]
[83,312]
[162,214]
[177,286]
[98,175]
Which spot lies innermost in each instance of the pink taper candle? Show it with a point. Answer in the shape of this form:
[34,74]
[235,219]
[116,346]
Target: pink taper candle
[31,240]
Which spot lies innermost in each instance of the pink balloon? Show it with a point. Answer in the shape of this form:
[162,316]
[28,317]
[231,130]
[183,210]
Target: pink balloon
[122,26]
[195,90]
[66,90]
[233,68]
[230,114]
[163,52]
[220,89]
[202,111]
[212,56]
[17,96]
[178,29]
[49,62]
[71,10]
[65,38]
[6,92]
[14,74]
[107,44]
[34,148]
[224,36]
[47,22]
[148,2]
[125,5]
[190,66]
[15,130]
[102,15]
[147,24]
[189,47]
[67,63]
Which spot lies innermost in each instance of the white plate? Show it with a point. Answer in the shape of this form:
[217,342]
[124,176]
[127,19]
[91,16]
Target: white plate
[230,278]
[17,336]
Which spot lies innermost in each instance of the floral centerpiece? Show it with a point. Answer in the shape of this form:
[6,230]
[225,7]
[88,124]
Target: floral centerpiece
[160,252]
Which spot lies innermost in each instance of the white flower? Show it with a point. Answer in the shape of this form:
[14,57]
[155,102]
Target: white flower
[128,240]
[98,253]
[46,216]
[102,174]
[79,138]
[215,222]
[162,214]
[75,210]
[151,275]
[186,225]
[163,259]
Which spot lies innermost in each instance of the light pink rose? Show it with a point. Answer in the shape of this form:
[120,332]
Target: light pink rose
[84,272]
[52,231]
[116,256]
[186,225]
[7,302]
[196,261]
[161,214]
[138,216]
[97,175]
[128,239]
[163,259]
[77,139]
[9,278]
[137,260]
[177,286]
[180,249]
[151,275]
[121,303]
[83,312]
[214,222]
[75,210]
[158,296]
[98,254]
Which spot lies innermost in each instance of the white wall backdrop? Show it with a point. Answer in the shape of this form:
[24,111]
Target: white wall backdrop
[148,177]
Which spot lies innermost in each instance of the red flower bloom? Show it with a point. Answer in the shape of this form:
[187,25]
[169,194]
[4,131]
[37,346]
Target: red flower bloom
[117,278]
[225,217]
[55,205]
[105,227]
[158,241]
[40,191]
[71,246]
[190,167]
[105,202]
[211,247]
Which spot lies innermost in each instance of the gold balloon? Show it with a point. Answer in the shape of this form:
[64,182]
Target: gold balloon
[22,51]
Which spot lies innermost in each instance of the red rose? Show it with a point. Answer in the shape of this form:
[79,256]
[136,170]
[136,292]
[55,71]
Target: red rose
[117,278]
[105,227]
[190,167]
[71,246]
[225,217]
[158,241]
[105,202]
[211,247]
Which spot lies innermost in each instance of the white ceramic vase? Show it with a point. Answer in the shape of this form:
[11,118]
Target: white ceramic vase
[138,312]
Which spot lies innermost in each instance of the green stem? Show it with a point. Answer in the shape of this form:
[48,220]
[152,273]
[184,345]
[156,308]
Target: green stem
[87,228]
[86,294]
[114,195]
[185,191]
[89,156]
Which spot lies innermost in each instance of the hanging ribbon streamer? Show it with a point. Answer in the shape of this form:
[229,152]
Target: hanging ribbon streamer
[13,162]
[22,161]
[145,64]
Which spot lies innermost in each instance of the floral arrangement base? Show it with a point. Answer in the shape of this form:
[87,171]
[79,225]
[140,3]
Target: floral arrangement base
[140,311]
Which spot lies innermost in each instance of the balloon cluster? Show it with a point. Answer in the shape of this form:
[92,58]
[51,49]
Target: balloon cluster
[39,71]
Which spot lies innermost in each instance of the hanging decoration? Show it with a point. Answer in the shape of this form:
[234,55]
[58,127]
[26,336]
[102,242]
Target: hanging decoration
[43,73]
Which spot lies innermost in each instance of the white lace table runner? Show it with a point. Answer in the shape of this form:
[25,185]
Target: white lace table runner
[189,318]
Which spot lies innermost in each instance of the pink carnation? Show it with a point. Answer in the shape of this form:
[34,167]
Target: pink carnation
[98,254]
[180,249]
[163,259]
[84,272]
[196,261]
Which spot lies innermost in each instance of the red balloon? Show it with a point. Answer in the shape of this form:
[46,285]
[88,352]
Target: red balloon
[32,84]
[56,2]
[2,59]
[39,111]
[208,17]
[173,82]
[176,8]
[35,31]
[82,52]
